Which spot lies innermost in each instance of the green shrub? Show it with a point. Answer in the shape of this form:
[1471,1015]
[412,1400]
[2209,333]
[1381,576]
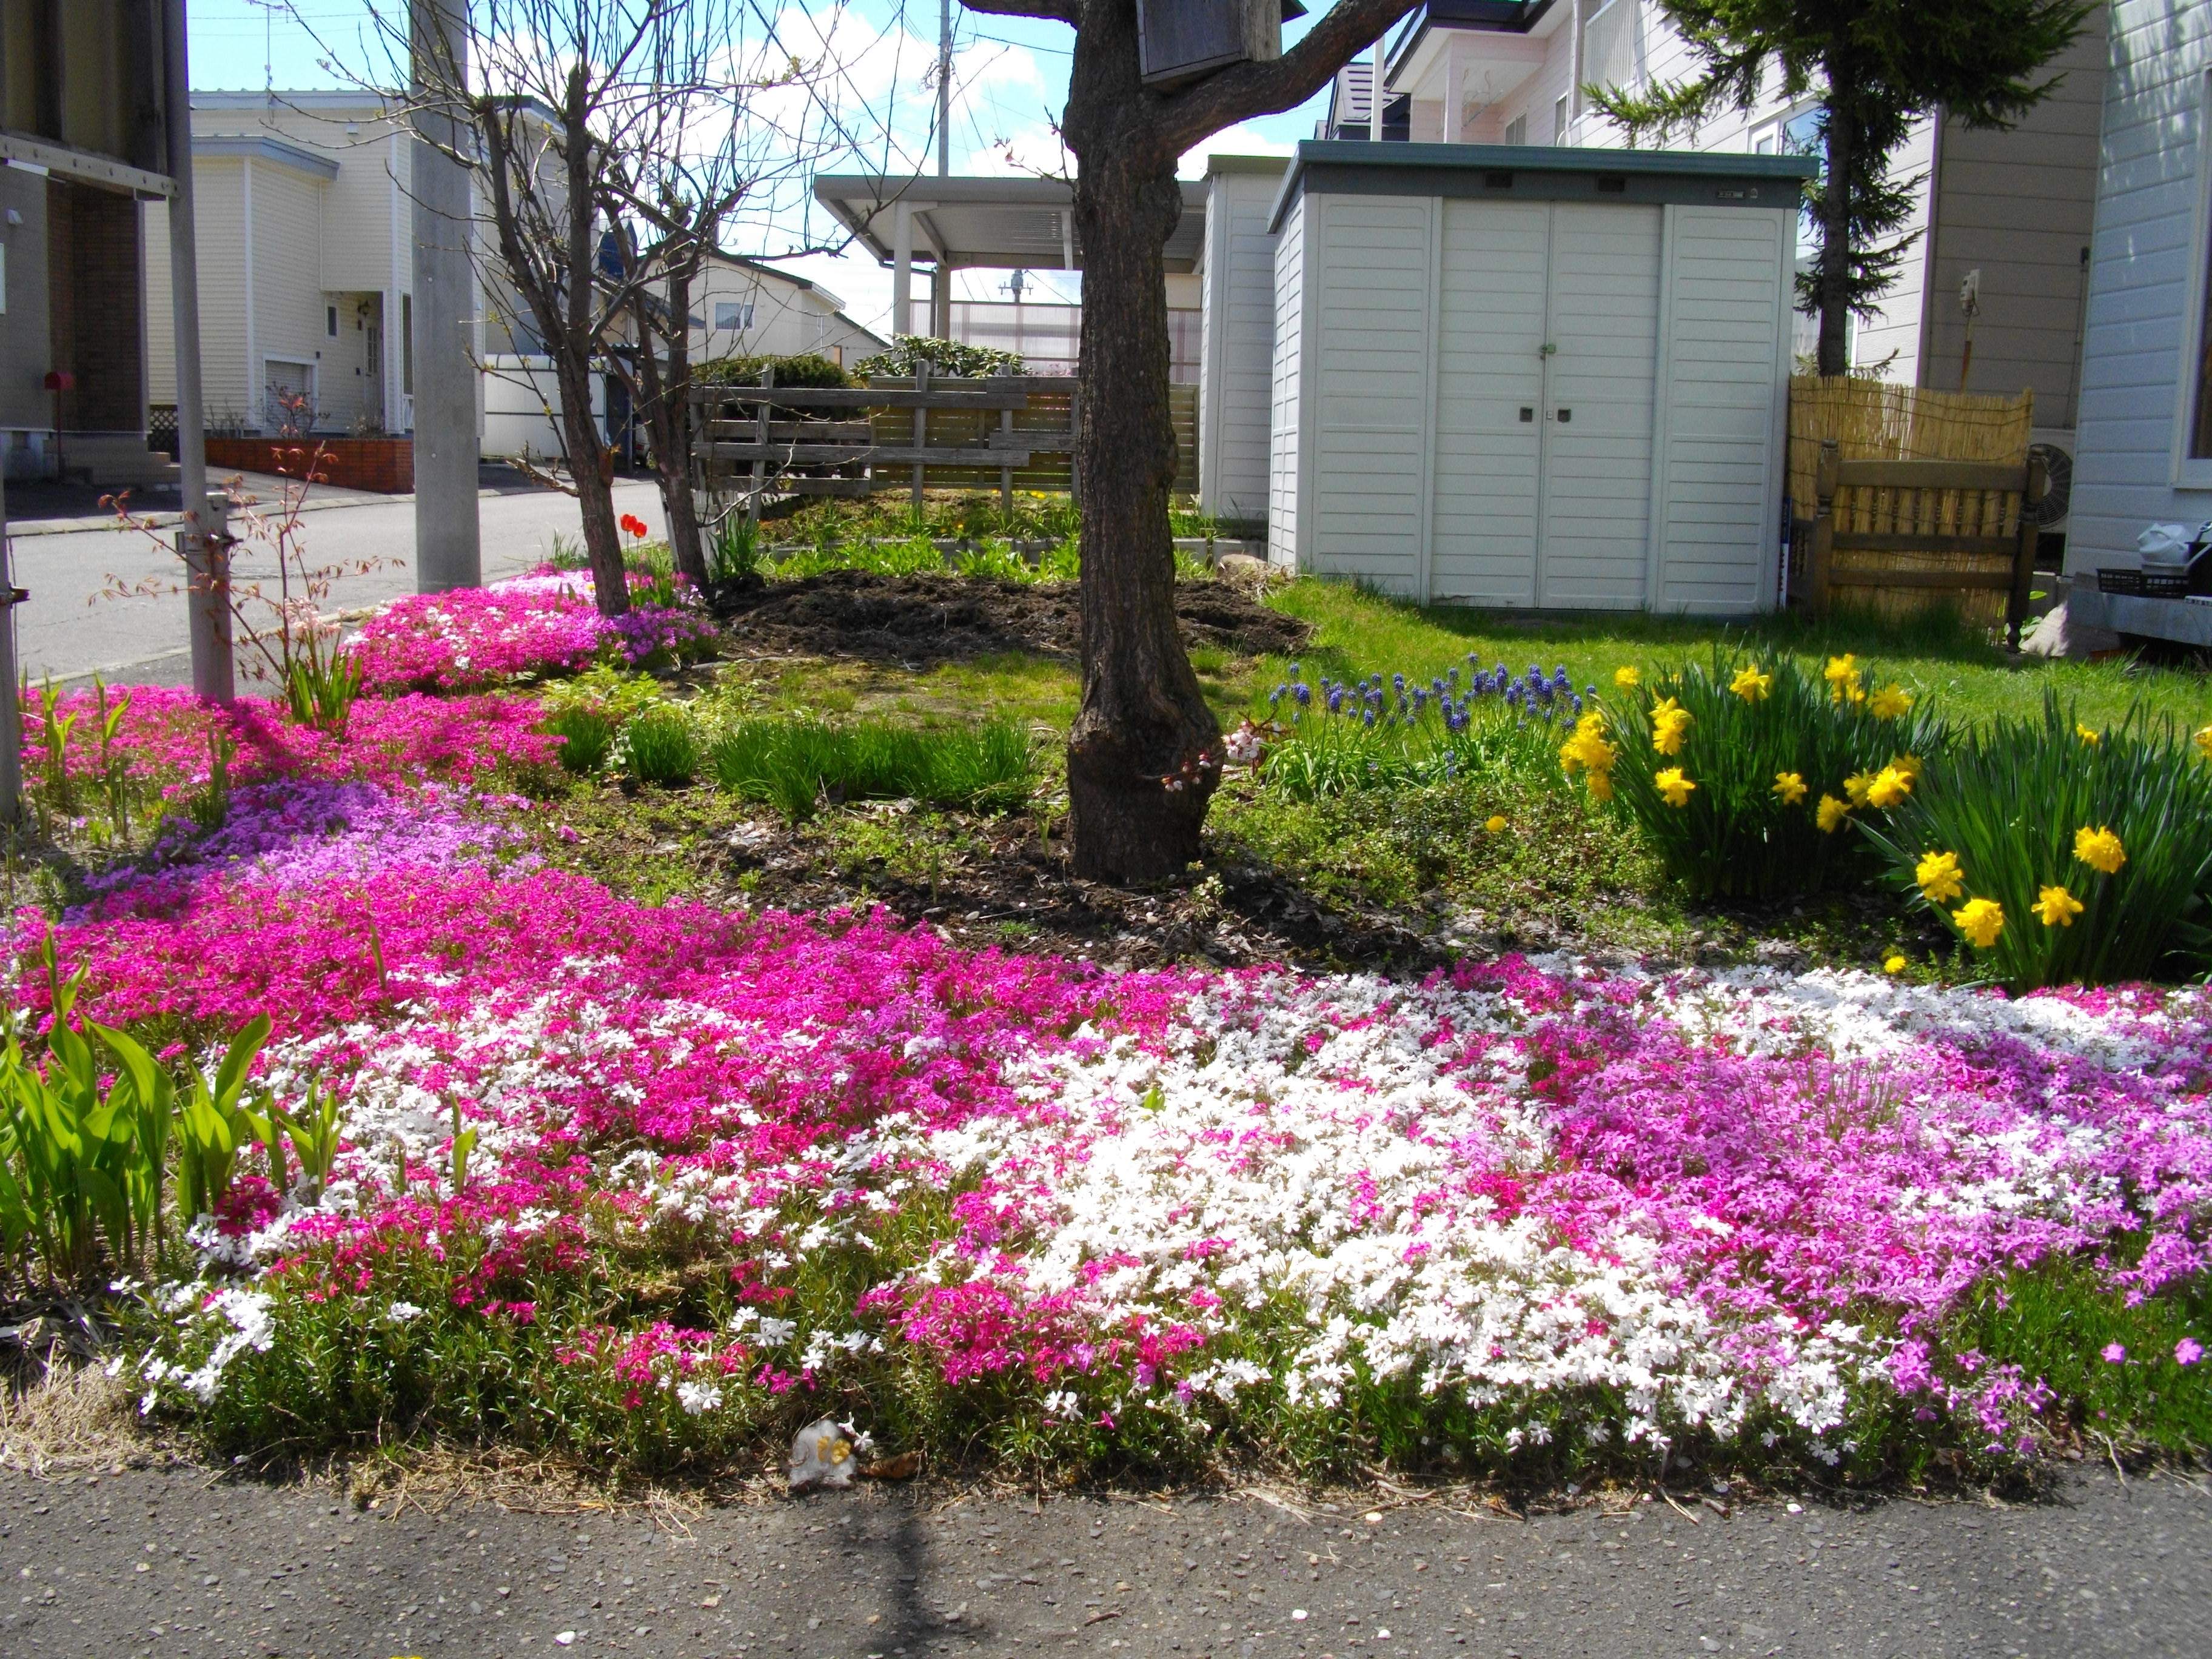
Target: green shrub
[659,746]
[1745,778]
[791,764]
[953,358]
[588,712]
[587,735]
[1999,819]
[804,369]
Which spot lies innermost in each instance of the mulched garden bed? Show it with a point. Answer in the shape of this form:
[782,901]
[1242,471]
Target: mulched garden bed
[921,619]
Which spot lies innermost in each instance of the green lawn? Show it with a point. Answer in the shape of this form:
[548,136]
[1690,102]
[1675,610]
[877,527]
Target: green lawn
[1361,633]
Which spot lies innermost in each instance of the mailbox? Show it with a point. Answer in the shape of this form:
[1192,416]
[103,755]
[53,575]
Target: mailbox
[1180,41]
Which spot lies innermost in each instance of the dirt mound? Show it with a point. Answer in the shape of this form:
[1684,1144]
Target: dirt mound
[919,619]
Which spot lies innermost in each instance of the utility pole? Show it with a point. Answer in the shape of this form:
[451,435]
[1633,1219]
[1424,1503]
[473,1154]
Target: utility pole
[945,88]
[202,538]
[448,545]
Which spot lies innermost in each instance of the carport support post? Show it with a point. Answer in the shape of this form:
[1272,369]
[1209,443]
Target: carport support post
[448,545]
[201,541]
[902,269]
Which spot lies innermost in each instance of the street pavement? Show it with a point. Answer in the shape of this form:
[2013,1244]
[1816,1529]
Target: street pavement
[185,1561]
[67,630]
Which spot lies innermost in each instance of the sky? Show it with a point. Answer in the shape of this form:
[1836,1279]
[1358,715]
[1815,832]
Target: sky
[1010,82]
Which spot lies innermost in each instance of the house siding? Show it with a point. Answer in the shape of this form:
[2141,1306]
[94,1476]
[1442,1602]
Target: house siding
[2147,268]
[1237,351]
[1285,454]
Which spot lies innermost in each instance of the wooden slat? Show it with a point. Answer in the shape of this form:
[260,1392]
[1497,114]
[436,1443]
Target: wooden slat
[868,398]
[809,432]
[1045,443]
[861,454]
[1930,475]
[1863,540]
[1846,577]
[831,486]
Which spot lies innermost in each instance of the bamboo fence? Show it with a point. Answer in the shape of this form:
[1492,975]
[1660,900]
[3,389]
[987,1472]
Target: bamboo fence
[1878,420]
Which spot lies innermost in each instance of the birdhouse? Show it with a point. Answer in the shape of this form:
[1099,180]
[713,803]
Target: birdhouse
[1180,41]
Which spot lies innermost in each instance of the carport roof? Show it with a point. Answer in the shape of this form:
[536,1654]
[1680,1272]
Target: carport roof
[993,222]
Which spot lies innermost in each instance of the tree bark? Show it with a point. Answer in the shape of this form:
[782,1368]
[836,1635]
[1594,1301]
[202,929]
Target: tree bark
[1834,353]
[1144,754]
[669,390]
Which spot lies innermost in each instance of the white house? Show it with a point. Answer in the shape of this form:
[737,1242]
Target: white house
[2143,453]
[743,307]
[306,262]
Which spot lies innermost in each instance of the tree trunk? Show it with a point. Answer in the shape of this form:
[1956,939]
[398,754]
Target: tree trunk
[671,435]
[1143,755]
[1834,357]
[590,464]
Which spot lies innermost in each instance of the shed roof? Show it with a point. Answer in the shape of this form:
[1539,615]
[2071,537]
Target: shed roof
[1001,223]
[1544,173]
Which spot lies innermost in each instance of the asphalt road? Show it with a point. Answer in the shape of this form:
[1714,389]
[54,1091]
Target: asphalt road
[183,1563]
[68,630]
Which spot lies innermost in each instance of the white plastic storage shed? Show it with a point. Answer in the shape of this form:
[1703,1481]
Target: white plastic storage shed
[1524,377]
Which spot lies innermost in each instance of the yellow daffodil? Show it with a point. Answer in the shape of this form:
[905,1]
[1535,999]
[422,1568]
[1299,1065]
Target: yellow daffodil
[2088,734]
[1587,747]
[1495,824]
[1856,787]
[1889,789]
[1908,767]
[1889,703]
[1600,784]
[2056,907]
[1830,814]
[1674,786]
[1790,787]
[1940,877]
[2100,849]
[1669,721]
[2204,742]
[1980,920]
[1750,685]
[1842,675]
[1893,965]
[1628,678]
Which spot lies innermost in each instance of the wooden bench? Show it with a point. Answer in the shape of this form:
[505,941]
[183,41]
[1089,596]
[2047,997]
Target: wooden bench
[1881,524]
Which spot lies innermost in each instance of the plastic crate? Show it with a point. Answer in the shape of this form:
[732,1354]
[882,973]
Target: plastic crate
[2115,579]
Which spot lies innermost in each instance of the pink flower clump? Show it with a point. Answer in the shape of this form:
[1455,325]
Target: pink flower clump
[545,623]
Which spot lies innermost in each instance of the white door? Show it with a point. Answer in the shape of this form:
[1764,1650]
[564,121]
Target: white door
[1547,345]
[1489,402]
[1595,526]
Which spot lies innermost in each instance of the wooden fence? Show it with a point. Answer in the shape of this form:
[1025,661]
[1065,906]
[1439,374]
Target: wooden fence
[1006,432]
[1921,536]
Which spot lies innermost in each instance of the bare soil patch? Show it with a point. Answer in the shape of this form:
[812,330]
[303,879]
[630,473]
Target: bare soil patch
[923,619]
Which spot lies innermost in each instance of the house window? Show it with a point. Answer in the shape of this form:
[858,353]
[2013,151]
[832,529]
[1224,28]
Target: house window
[1516,130]
[733,315]
[1559,119]
[330,321]
[407,345]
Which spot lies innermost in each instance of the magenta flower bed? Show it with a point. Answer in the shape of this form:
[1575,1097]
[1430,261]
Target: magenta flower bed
[532,627]
[1621,1208]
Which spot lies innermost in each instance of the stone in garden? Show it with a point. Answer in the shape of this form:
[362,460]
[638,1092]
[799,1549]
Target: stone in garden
[1242,567]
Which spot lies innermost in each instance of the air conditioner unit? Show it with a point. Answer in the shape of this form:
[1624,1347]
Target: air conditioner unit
[2056,445]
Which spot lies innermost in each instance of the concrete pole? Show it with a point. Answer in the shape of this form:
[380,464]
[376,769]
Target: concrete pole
[902,269]
[1375,92]
[207,556]
[449,548]
[944,88]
